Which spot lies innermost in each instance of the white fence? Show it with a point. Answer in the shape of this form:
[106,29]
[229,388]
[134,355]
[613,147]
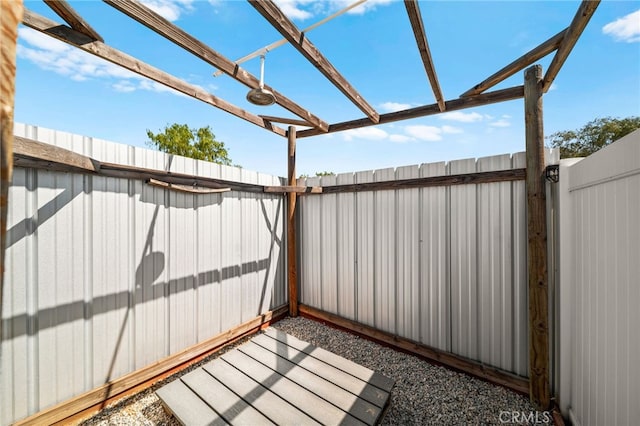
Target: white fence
[106,276]
[443,266]
[599,306]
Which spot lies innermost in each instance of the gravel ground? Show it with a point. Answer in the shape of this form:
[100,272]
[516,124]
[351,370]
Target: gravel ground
[424,394]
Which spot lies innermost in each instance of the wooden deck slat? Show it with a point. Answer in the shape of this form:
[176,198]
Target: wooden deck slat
[313,405]
[226,403]
[278,379]
[186,406]
[346,401]
[262,399]
[340,378]
[346,365]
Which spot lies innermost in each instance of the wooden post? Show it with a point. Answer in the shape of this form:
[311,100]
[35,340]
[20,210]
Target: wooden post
[291,225]
[537,241]
[10,17]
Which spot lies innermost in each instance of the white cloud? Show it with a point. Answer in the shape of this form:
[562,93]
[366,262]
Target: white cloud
[451,129]
[500,123]
[53,55]
[424,133]
[294,9]
[462,117]
[400,138]
[368,133]
[625,29]
[393,106]
[169,9]
[361,9]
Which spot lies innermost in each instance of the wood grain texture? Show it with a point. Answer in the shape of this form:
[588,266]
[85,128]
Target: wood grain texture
[71,17]
[491,374]
[460,179]
[518,65]
[34,154]
[301,190]
[185,188]
[149,374]
[577,26]
[10,16]
[101,50]
[292,267]
[537,241]
[425,110]
[413,10]
[272,13]
[170,31]
[286,120]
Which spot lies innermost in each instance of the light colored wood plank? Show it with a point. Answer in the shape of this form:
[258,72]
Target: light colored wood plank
[425,110]
[315,382]
[333,374]
[280,22]
[187,406]
[580,20]
[518,65]
[186,188]
[344,364]
[71,17]
[539,383]
[29,148]
[101,50]
[413,10]
[313,405]
[157,23]
[229,406]
[271,405]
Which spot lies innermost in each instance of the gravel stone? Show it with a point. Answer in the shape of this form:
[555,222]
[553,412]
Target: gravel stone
[423,394]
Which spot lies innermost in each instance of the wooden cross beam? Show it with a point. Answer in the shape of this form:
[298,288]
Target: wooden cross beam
[101,50]
[580,21]
[297,38]
[413,10]
[171,32]
[71,17]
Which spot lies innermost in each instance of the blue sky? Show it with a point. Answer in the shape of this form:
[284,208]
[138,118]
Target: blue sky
[63,88]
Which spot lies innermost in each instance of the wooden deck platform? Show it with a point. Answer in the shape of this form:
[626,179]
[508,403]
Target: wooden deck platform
[276,378]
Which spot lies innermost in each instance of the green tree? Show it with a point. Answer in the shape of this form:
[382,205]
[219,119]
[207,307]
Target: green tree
[319,174]
[593,136]
[200,144]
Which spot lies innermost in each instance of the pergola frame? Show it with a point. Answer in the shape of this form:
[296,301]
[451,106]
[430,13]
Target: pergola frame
[79,33]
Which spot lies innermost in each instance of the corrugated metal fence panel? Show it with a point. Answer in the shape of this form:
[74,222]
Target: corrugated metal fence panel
[444,266]
[600,276]
[106,276]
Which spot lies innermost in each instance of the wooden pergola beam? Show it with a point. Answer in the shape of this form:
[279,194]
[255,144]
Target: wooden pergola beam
[71,17]
[503,95]
[101,50]
[286,120]
[413,10]
[171,32]
[518,65]
[580,21]
[272,13]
